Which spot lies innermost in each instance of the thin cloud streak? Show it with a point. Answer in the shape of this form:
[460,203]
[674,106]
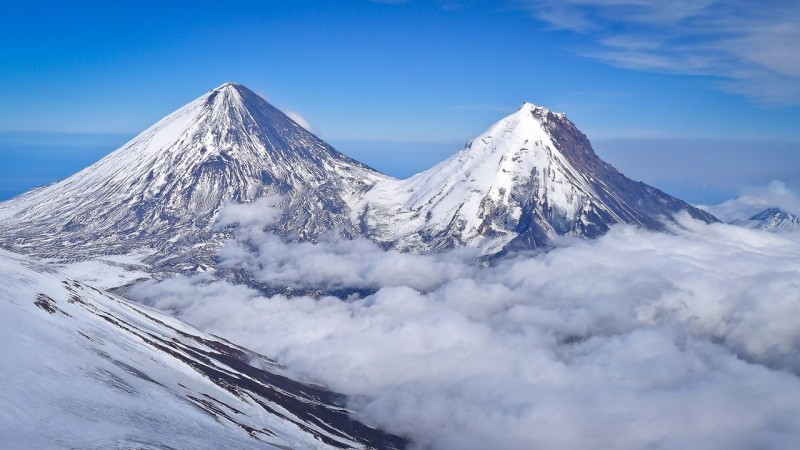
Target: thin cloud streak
[748,47]
[299,119]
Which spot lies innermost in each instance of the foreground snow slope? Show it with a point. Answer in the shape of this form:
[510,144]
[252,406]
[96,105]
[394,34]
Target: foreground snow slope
[85,369]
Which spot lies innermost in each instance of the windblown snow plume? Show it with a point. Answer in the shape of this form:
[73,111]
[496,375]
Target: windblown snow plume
[638,339]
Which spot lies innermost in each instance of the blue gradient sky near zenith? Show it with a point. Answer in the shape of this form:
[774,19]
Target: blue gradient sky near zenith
[401,85]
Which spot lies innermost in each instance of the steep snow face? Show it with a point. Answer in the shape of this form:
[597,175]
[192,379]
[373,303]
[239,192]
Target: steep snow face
[86,369]
[163,189]
[771,219]
[530,177]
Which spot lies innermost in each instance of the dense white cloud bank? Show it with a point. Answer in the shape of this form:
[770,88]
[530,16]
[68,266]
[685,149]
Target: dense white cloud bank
[636,339]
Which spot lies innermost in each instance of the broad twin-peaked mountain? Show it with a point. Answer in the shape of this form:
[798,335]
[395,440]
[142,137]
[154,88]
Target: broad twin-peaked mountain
[531,177]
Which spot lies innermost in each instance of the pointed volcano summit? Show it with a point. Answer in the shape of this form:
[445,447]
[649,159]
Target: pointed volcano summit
[163,190]
[528,178]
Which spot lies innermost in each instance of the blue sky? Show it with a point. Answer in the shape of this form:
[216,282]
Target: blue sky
[402,84]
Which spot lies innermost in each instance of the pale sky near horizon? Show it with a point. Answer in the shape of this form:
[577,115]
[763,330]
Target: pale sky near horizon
[679,86]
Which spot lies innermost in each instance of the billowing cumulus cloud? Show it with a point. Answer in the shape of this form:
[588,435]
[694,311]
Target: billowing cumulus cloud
[637,339]
[333,263]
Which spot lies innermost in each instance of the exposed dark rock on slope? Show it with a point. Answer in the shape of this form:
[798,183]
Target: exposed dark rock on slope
[531,177]
[87,369]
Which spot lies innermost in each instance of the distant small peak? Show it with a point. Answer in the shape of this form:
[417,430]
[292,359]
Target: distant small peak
[770,212]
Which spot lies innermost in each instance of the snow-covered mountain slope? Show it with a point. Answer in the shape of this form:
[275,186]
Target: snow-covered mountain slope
[162,191]
[530,177]
[771,219]
[82,368]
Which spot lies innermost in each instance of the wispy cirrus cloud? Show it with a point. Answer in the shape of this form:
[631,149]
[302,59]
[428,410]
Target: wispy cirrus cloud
[749,47]
[295,115]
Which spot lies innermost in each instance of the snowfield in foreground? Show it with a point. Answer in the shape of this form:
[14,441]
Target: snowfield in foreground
[634,340]
[85,369]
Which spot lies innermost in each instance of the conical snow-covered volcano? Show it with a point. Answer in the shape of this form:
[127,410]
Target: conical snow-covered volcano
[163,190]
[530,177]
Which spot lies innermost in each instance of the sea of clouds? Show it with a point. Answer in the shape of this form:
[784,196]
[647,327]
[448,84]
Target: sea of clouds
[687,339]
